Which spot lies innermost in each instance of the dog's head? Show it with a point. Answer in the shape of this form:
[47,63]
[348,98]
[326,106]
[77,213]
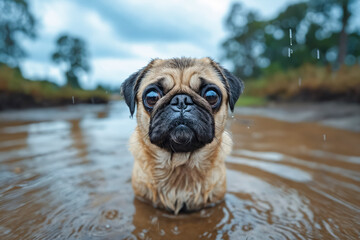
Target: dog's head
[182,103]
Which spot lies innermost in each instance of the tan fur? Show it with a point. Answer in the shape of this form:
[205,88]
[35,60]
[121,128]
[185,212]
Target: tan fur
[171,179]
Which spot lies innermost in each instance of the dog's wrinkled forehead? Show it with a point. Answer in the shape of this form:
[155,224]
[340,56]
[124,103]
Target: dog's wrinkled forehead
[181,74]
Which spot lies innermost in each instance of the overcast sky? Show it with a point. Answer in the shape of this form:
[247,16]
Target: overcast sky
[123,36]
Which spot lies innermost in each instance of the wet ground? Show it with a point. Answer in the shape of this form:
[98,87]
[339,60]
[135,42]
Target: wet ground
[65,174]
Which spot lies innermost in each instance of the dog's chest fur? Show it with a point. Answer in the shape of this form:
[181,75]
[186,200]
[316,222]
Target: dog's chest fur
[180,180]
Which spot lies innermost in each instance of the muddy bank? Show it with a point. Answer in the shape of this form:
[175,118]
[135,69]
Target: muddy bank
[11,100]
[308,83]
[17,92]
[307,94]
[335,114]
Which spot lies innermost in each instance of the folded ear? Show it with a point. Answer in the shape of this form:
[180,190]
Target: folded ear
[130,87]
[234,86]
[128,91]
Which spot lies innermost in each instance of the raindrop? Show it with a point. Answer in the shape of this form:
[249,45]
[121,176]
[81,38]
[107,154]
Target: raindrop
[232,116]
[247,227]
[175,230]
[290,35]
[73,99]
[324,137]
[154,220]
[107,226]
[141,235]
[299,81]
[290,51]
[111,214]
[317,53]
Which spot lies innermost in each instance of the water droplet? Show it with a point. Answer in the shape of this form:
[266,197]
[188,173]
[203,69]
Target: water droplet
[248,127]
[317,53]
[18,170]
[111,214]
[141,235]
[290,35]
[107,226]
[73,99]
[162,232]
[247,227]
[290,51]
[232,116]
[299,81]
[324,137]
[154,220]
[175,230]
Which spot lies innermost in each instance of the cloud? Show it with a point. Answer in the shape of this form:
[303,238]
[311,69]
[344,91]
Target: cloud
[161,21]
[113,71]
[122,36]
[43,71]
[57,17]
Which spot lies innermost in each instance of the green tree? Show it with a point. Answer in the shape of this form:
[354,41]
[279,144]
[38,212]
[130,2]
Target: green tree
[244,40]
[256,46]
[16,21]
[325,8]
[72,52]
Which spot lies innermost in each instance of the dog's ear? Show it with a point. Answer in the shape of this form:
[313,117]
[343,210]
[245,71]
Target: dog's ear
[130,87]
[128,91]
[234,86]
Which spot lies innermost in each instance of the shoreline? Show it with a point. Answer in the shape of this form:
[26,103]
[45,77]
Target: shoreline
[333,114]
[21,101]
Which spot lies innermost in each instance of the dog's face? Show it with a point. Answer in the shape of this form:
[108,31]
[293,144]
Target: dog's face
[182,103]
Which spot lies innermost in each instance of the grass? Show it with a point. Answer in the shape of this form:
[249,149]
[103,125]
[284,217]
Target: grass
[12,83]
[245,101]
[307,83]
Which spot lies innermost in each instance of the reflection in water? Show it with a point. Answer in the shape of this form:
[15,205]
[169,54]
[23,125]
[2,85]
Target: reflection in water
[65,173]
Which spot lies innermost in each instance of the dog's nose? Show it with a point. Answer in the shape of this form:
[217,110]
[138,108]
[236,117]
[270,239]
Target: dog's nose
[181,101]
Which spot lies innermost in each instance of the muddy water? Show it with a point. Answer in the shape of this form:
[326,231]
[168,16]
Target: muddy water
[65,174]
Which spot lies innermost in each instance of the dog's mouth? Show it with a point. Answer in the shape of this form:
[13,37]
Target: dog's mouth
[181,138]
[182,131]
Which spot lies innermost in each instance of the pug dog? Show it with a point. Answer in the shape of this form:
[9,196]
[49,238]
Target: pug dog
[180,143]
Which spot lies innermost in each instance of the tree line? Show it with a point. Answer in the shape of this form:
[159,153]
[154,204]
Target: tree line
[315,32]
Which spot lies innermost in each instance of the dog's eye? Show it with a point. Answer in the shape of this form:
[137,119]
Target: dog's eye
[212,97]
[151,98]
